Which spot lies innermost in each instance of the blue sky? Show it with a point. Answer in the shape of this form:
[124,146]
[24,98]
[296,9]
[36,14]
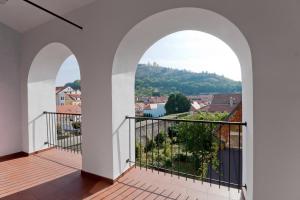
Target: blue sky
[68,72]
[191,50]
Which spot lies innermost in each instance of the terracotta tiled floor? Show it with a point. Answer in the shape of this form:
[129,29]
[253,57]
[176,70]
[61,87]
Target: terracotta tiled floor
[55,174]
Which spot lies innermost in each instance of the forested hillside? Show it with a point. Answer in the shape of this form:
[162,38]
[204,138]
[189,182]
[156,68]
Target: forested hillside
[167,80]
[150,79]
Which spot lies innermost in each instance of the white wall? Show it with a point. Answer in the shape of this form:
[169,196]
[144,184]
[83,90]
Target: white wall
[10,105]
[41,93]
[272,29]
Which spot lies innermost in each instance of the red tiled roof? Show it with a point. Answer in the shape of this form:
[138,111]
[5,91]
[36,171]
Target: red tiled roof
[225,98]
[218,108]
[58,89]
[221,103]
[74,96]
[70,109]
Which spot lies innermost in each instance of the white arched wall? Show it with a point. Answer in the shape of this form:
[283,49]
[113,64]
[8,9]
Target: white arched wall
[41,92]
[145,34]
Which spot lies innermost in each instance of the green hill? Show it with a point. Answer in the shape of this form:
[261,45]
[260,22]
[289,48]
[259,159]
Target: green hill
[167,80]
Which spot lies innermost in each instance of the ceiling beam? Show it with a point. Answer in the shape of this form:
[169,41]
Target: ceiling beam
[54,14]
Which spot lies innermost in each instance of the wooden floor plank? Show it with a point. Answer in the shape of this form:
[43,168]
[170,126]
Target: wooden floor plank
[56,174]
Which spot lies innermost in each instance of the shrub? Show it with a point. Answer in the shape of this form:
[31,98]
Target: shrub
[160,138]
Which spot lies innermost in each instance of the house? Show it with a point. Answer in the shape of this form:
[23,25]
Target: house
[67,96]
[231,104]
[195,106]
[155,110]
[139,109]
[223,103]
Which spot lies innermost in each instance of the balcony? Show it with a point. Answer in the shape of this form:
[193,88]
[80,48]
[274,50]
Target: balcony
[164,165]
[56,174]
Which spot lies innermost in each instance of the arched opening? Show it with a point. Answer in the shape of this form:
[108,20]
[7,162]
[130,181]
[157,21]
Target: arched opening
[140,38]
[42,97]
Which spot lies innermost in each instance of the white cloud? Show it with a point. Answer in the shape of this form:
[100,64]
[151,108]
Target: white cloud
[195,51]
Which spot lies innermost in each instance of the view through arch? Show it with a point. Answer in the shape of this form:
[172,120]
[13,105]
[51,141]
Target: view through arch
[45,126]
[135,43]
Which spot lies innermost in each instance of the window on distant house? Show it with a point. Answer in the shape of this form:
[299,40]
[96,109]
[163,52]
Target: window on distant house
[62,98]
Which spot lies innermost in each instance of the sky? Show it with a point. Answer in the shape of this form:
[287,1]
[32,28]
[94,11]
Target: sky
[190,50]
[68,72]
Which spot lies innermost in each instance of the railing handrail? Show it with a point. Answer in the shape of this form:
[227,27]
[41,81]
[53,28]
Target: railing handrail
[46,112]
[186,120]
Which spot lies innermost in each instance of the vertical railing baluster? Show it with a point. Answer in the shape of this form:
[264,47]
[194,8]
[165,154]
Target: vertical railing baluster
[220,154]
[229,152]
[166,137]
[69,133]
[202,152]
[47,125]
[158,145]
[239,160]
[56,126]
[80,137]
[152,148]
[53,131]
[186,142]
[63,132]
[129,126]
[211,153]
[50,136]
[146,146]
[77,133]
[135,143]
[171,131]
[194,155]
[178,156]
[140,144]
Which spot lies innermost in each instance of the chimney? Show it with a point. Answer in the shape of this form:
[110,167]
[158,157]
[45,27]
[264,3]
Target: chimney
[231,102]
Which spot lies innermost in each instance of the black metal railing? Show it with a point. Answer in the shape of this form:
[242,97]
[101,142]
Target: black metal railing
[207,151]
[64,131]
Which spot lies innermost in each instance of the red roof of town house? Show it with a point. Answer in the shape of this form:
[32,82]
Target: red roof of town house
[74,96]
[223,103]
[70,109]
[139,107]
[58,89]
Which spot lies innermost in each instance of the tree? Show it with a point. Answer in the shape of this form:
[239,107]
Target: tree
[177,103]
[75,85]
[199,140]
[160,138]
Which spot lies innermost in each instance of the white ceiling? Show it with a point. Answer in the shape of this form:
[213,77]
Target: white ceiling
[22,16]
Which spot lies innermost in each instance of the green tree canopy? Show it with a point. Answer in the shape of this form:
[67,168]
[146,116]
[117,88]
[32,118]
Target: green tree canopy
[177,103]
[75,85]
[199,139]
[150,79]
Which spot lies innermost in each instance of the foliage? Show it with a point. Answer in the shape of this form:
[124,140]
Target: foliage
[75,85]
[149,145]
[177,103]
[76,125]
[138,148]
[199,139]
[160,138]
[150,79]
